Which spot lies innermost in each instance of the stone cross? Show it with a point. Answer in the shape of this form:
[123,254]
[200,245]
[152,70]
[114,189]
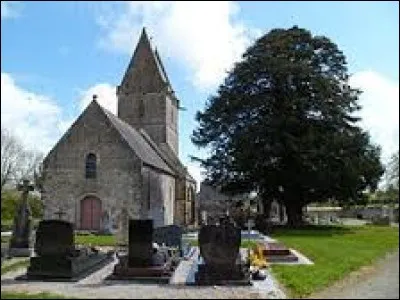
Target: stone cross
[249,224]
[25,188]
[22,229]
[60,213]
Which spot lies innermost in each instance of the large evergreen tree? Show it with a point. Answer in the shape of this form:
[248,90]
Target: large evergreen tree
[283,123]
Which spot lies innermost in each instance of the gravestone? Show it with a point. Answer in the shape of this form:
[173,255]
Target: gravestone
[277,252]
[140,243]
[170,235]
[220,251]
[57,258]
[107,223]
[60,213]
[143,261]
[20,239]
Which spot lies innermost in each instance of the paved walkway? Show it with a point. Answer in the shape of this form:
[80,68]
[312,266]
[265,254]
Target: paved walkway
[93,286]
[380,281]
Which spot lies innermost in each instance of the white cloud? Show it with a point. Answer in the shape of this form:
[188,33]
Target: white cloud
[106,96]
[35,119]
[204,37]
[380,109]
[9,9]
[196,171]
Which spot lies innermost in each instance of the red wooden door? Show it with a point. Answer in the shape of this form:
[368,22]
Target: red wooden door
[90,213]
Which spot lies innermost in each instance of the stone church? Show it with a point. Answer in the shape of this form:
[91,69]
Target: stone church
[108,168]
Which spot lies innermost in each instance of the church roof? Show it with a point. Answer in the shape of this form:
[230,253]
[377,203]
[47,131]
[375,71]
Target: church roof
[168,156]
[137,143]
[160,67]
[144,43]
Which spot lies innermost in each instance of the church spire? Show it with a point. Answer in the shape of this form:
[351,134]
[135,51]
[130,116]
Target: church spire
[145,72]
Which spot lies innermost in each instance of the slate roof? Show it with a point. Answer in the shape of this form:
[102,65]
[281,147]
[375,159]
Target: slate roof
[168,156]
[137,143]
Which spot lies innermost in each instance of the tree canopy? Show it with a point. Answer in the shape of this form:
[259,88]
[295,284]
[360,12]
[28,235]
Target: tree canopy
[17,162]
[284,123]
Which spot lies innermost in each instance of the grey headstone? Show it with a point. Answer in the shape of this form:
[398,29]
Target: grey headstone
[170,235]
[22,222]
[219,245]
[107,223]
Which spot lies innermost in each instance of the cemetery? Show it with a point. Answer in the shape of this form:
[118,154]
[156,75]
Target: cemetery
[282,193]
[221,254]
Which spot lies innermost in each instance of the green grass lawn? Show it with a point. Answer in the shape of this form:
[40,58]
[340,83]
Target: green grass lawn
[95,240]
[5,239]
[7,267]
[245,243]
[335,251]
[43,295]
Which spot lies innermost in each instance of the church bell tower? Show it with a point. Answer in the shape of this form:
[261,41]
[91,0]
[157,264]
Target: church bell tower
[146,99]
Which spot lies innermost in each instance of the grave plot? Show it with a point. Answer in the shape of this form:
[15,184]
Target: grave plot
[222,262]
[58,259]
[145,260]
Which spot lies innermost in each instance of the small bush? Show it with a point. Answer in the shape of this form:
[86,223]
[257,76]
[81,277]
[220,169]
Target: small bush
[10,200]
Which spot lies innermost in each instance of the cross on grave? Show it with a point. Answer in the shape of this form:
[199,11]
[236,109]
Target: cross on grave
[60,213]
[249,224]
[21,229]
[25,188]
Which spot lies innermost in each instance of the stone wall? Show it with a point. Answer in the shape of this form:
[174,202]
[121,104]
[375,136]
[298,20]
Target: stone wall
[158,196]
[185,200]
[369,213]
[118,180]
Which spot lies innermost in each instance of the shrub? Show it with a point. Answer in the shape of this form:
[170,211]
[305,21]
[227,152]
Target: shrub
[9,203]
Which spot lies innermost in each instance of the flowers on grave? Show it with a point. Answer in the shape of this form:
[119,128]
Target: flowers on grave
[257,258]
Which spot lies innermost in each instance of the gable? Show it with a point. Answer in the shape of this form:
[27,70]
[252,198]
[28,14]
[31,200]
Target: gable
[138,144]
[100,119]
[87,132]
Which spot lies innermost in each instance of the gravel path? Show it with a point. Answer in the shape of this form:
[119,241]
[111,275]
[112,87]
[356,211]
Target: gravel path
[380,281]
[94,287]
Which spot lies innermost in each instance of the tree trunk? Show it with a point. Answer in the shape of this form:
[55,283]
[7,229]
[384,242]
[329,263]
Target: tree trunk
[295,215]
[266,207]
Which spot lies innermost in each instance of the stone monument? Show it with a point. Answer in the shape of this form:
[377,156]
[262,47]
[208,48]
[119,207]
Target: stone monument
[170,236]
[57,258]
[144,260]
[20,239]
[107,223]
[222,260]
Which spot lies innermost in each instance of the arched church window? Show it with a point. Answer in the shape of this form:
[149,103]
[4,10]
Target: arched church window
[91,166]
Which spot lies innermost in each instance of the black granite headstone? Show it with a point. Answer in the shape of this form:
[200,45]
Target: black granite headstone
[57,258]
[219,245]
[170,235]
[54,237]
[140,243]
[220,251]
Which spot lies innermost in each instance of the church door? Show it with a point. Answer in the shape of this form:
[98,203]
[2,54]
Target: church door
[90,213]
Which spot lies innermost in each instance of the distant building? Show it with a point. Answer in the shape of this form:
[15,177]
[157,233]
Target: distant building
[213,204]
